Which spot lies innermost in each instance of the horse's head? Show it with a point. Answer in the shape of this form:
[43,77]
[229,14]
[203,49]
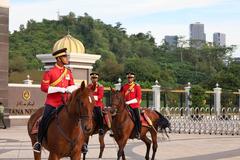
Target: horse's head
[81,105]
[117,101]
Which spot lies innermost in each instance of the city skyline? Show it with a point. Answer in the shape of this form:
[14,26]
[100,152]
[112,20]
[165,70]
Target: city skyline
[160,17]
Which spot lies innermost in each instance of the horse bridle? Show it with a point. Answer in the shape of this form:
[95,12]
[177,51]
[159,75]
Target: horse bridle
[71,141]
[116,111]
[81,117]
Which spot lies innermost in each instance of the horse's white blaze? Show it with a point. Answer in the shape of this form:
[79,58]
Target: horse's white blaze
[90,99]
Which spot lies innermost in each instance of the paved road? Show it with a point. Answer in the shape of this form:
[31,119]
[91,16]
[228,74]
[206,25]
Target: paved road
[15,144]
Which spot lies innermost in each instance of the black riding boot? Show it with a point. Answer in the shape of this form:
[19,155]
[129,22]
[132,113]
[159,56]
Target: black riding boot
[137,122]
[42,130]
[99,119]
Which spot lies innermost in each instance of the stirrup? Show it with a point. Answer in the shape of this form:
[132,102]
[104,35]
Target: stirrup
[111,133]
[84,148]
[137,136]
[37,147]
[101,132]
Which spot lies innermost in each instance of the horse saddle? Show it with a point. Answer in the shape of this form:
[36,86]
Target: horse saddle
[37,122]
[145,120]
[36,126]
[106,119]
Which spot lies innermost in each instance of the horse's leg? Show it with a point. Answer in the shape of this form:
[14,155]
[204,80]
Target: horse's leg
[37,156]
[121,144]
[102,145]
[146,140]
[76,156]
[86,143]
[123,155]
[155,144]
[53,156]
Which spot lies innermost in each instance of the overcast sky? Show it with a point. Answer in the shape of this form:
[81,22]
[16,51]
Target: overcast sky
[161,17]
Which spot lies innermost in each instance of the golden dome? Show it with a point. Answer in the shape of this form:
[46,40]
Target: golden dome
[72,44]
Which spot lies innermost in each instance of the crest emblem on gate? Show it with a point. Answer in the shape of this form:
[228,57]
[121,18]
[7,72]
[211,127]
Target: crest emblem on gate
[26,95]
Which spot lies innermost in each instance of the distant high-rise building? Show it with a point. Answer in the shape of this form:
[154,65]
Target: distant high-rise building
[219,39]
[171,41]
[197,35]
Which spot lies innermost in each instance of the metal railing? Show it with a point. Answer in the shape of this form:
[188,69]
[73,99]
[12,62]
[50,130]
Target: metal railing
[203,120]
[192,120]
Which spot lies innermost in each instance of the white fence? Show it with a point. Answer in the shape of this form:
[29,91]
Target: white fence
[203,120]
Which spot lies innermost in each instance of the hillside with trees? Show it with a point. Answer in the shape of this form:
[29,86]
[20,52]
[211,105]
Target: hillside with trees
[172,67]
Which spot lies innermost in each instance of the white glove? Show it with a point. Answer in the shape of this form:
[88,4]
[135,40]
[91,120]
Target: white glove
[72,88]
[132,101]
[95,98]
[56,89]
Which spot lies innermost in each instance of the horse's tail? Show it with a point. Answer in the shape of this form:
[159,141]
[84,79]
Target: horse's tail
[163,123]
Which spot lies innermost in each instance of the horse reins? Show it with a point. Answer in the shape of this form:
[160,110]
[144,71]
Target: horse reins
[71,141]
[80,117]
[117,110]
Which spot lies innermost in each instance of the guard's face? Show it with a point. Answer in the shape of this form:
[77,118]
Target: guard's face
[130,79]
[64,59]
[94,79]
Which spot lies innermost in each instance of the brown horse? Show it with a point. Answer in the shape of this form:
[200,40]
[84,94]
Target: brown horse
[123,126]
[65,135]
[95,129]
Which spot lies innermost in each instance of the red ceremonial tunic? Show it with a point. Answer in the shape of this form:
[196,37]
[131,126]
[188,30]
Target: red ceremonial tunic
[55,99]
[131,91]
[99,92]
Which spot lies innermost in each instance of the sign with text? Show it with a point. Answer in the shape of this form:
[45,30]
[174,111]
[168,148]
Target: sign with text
[24,100]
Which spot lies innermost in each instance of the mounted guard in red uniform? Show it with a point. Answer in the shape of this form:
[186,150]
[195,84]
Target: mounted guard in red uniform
[56,82]
[133,97]
[98,93]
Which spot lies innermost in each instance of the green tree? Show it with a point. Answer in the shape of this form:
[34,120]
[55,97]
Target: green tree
[198,96]
[110,70]
[17,64]
[122,52]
